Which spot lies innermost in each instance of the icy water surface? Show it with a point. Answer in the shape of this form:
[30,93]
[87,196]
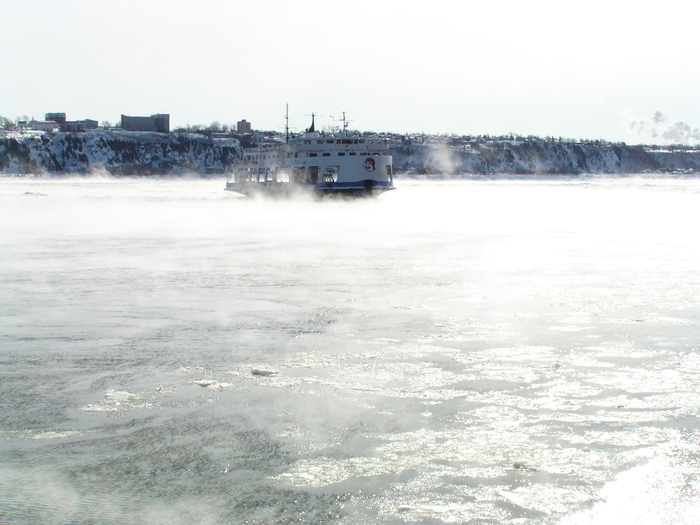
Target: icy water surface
[453,352]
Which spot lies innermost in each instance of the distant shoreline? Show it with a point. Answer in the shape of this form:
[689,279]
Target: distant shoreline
[122,153]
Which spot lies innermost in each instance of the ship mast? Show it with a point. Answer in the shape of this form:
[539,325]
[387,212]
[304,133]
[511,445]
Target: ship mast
[346,122]
[286,125]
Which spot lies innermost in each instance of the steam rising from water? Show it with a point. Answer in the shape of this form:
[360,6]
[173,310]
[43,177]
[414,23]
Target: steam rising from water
[485,352]
[442,158]
[660,130]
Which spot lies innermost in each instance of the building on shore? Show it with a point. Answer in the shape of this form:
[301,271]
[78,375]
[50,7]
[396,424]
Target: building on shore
[160,123]
[57,121]
[243,126]
[60,118]
[79,125]
[43,125]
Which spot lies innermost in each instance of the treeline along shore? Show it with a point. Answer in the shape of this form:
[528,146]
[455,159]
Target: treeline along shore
[141,153]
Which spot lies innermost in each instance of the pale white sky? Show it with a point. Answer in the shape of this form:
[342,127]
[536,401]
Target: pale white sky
[560,68]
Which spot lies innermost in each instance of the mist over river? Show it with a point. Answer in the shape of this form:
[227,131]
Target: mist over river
[470,351]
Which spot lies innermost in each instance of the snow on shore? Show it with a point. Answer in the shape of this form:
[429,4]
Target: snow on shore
[138,153]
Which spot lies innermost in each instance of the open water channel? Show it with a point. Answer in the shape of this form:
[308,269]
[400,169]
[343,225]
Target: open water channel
[472,351]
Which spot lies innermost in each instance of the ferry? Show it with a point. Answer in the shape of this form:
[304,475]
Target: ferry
[317,163]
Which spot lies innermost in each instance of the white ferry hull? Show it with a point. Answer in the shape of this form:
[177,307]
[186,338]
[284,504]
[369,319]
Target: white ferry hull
[366,188]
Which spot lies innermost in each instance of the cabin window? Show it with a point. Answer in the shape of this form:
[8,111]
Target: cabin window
[298,174]
[283,173]
[313,154]
[341,154]
[326,154]
[312,174]
[353,153]
[330,174]
[330,141]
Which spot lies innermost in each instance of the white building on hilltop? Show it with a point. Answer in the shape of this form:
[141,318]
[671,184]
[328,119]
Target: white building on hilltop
[43,125]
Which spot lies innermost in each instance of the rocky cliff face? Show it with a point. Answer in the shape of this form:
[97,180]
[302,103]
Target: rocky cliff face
[540,157]
[116,152]
[124,153]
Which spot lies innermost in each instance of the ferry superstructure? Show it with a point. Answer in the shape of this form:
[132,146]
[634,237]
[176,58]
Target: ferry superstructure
[321,163]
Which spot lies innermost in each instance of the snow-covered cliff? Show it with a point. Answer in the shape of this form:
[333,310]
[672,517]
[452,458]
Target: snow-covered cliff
[540,157]
[125,153]
[116,152]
